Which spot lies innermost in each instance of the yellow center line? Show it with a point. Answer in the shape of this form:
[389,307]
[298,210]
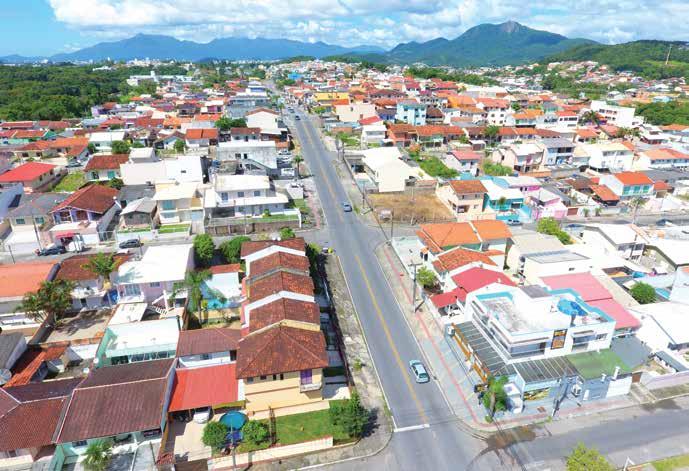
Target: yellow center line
[388,335]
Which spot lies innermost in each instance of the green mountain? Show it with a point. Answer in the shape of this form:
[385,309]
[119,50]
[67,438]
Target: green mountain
[486,44]
[644,57]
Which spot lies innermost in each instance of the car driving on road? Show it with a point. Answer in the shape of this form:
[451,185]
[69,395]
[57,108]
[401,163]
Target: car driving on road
[419,371]
[54,250]
[130,244]
[346,207]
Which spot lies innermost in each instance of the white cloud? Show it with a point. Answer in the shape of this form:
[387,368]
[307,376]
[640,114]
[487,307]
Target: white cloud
[382,22]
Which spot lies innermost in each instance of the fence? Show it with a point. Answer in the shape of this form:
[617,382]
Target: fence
[665,381]
[272,453]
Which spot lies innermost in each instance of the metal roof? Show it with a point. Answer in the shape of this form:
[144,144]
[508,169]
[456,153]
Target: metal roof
[547,369]
[484,350]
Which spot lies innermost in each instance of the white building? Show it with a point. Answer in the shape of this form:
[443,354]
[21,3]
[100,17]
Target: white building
[620,116]
[373,133]
[144,171]
[388,170]
[102,141]
[250,155]
[180,203]
[624,240]
[608,156]
[353,112]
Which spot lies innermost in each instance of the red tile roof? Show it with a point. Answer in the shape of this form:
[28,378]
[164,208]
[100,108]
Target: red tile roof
[74,268]
[466,155]
[204,386]
[117,399]
[458,257]
[259,288]
[477,277]
[283,309]
[462,187]
[281,349]
[94,198]
[29,363]
[30,424]
[26,173]
[106,162]
[202,133]
[441,236]
[279,260]
[227,268]
[604,193]
[633,178]
[199,341]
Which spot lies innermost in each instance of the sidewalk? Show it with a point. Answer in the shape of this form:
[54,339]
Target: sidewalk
[448,368]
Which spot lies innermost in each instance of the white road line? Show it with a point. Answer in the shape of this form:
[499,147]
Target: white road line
[411,427]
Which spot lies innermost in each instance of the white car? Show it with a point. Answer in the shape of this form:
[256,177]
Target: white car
[202,415]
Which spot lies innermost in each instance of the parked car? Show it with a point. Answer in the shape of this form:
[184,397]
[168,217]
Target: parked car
[513,222]
[52,250]
[131,244]
[202,415]
[297,117]
[419,371]
[347,207]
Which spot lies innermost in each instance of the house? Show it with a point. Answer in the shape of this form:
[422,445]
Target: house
[90,290]
[624,240]
[29,221]
[252,156]
[17,280]
[662,158]
[477,235]
[464,160]
[152,279]
[545,203]
[180,205]
[140,341]
[523,158]
[282,353]
[149,170]
[387,170]
[105,167]
[528,243]
[138,214]
[506,202]
[233,201]
[125,422]
[84,215]
[12,347]
[245,134]
[464,198]
[587,286]
[263,118]
[620,116]
[467,277]
[353,112]
[102,141]
[557,150]
[606,156]
[30,415]
[33,176]
[411,112]
[628,185]
[200,137]
[207,347]
[373,133]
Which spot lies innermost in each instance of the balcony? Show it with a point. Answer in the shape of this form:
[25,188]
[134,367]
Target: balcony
[309,387]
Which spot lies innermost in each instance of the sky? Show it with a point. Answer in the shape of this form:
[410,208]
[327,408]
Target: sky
[44,27]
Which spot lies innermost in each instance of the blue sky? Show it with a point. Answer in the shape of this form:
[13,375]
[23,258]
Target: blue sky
[41,27]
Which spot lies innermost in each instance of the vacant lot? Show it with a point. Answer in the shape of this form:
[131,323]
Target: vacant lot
[423,208]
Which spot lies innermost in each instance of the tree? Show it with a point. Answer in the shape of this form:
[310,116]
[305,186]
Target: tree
[255,432]
[102,265]
[589,117]
[491,131]
[214,434]
[224,124]
[550,226]
[98,456]
[49,303]
[119,147]
[495,398]
[286,233]
[92,148]
[231,249]
[426,277]
[179,146]
[643,293]
[350,415]
[237,123]
[115,183]
[587,459]
[204,249]
[193,286]
[296,161]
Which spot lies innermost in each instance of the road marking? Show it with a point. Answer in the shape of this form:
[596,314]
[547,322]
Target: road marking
[411,427]
[388,335]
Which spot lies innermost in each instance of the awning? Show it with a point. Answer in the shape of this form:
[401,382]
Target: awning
[62,235]
[204,386]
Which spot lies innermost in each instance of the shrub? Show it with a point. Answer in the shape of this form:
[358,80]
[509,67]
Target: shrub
[286,233]
[587,459]
[643,293]
[231,249]
[350,416]
[203,249]
[426,277]
[255,432]
[214,434]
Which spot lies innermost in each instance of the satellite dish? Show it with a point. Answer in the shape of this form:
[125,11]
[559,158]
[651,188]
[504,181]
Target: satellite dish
[5,375]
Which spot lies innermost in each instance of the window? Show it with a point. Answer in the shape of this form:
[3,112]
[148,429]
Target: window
[306,376]
[601,336]
[183,171]
[249,380]
[40,220]
[19,221]
[80,443]
[155,284]
[257,193]
[168,205]
[94,175]
[263,377]
[131,290]
[240,194]
[111,174]
[224,197]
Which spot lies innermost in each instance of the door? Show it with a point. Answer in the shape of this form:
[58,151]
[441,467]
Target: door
[306,376]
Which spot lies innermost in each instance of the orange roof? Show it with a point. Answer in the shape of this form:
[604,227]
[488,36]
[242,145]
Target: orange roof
[204,386]
[202,133]
[491,229]
[467,186]
[458,257]
[439,237]
[665,154]
[633,178]
[604,193]
[20,278]
[29,363]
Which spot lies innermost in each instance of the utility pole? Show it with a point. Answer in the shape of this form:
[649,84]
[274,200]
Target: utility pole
[413,298]
[392,222]
[667,58]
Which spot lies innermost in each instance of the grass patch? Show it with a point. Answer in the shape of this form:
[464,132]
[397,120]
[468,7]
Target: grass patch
[592,364]
[71,182]
[279,217]
[173,228]
[134,229]
[436,168]
[671,464]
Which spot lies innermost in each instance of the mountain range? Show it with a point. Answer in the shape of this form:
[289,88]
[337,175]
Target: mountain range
[166,47]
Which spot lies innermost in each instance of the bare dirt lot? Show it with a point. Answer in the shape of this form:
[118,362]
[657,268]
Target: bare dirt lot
[422,208]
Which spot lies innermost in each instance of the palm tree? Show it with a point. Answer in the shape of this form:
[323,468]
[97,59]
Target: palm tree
[636,203]
[495,398]
[193,285]
[296,161]
[589,117]
[49,303]
[98,456]
[102,264]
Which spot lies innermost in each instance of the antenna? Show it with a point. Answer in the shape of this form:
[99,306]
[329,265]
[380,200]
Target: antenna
[667,58]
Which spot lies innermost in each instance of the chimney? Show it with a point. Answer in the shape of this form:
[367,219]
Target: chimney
[617,371]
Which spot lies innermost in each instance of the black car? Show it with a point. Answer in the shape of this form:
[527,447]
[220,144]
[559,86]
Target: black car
[297,117]
[130,244]
[54,250]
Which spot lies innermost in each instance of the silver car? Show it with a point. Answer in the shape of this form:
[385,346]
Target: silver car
[419,371]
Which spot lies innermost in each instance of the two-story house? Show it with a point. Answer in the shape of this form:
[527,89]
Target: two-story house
[464,198]
[628,185]
[105,167]
[251,156]
[179,204]
[524,158]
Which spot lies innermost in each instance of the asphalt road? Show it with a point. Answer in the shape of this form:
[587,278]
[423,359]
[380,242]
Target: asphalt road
[427,435]
[429,432]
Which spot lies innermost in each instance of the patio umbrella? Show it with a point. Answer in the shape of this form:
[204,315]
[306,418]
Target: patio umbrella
[234,420]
